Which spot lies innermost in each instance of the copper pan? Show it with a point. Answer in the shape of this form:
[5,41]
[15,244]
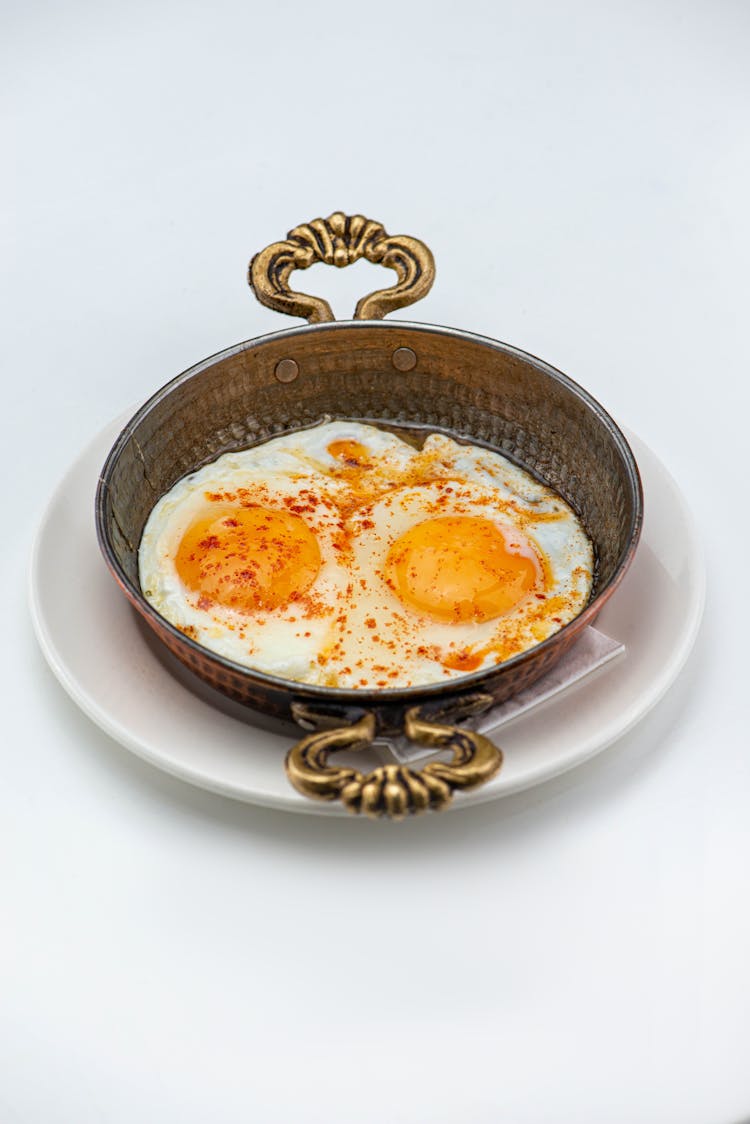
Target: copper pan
[411,377]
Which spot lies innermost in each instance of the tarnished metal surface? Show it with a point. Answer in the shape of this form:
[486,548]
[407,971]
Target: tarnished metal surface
[341,240]
[392,791]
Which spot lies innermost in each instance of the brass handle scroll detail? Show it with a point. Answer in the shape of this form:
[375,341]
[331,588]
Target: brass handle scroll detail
[392,791]
[341,240]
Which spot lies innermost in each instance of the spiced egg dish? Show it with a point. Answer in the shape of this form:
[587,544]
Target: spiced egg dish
[344,555]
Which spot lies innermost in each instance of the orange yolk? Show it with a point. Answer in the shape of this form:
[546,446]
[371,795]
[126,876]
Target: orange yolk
[459,568]
[249,558]
[350,452]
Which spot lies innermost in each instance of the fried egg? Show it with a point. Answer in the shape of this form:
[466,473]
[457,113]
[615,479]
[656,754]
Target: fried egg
[344,556]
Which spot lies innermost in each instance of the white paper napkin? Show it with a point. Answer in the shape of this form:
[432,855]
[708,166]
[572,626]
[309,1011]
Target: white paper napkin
[590,652]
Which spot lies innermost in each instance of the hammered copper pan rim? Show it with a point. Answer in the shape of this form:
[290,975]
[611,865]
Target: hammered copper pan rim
[356,697]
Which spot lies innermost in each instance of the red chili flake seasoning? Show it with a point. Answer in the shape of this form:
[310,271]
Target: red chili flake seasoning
[462,661]
[220,497]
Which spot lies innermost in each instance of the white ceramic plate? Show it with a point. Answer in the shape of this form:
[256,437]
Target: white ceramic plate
[114,669]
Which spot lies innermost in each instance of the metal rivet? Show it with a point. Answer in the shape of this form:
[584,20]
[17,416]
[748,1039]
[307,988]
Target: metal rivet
[404,359]
[286,370]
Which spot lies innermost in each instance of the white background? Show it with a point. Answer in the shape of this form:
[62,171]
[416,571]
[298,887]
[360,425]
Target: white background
[579,953]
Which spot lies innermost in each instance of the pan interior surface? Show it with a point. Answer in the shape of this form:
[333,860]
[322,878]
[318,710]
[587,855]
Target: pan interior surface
[473,389]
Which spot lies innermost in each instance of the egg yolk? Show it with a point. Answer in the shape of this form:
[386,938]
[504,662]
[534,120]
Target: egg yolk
[350,452]
[249,558]
[459,568]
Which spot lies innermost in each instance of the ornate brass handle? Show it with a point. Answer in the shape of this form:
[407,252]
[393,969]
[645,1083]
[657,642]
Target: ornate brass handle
[341,240]
[392,791]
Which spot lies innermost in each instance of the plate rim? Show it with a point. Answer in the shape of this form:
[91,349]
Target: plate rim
[599,740]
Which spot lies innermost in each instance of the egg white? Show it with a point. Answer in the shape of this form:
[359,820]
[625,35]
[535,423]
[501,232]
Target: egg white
[285,641]
[337,644]
[414,642]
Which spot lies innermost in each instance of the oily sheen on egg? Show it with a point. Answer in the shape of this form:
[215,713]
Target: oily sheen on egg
[459,568]
[249,558]
[344,556]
